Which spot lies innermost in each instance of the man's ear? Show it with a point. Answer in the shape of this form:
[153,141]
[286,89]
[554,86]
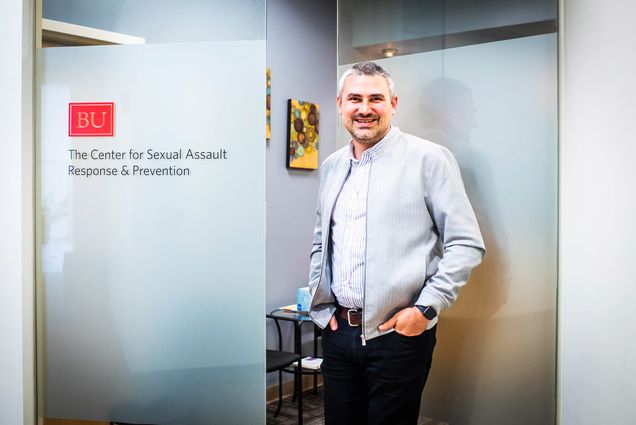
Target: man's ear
[394,102]
[338,103]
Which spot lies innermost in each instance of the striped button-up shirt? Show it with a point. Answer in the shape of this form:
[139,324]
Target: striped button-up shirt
[348,231]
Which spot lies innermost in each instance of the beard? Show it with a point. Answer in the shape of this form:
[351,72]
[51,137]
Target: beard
[367,135]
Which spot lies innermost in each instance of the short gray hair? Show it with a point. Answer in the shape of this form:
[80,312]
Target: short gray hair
[367,68]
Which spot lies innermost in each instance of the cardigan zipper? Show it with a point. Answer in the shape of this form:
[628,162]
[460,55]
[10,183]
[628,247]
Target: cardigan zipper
[366,234]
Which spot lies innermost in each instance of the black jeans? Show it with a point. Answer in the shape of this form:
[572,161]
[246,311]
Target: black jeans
[377,384]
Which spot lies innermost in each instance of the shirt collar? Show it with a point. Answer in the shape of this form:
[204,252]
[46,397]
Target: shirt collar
[369,153]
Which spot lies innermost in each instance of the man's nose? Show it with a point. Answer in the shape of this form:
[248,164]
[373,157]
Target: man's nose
[364,107]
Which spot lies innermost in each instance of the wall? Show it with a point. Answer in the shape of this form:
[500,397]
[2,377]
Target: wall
[16,214]
[301,53]
[597,211]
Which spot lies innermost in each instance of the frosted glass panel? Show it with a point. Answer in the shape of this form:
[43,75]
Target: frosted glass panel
[494,105]
[152,284]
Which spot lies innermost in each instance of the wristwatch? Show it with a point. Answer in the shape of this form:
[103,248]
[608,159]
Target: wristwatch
[428,312]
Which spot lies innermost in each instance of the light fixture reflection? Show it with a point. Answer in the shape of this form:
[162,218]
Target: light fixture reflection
[389,52]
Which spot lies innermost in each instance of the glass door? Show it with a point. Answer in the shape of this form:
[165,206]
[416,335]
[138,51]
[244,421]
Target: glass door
[150,206]
[480,78]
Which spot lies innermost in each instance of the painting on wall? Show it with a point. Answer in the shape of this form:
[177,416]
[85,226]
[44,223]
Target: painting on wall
[302,132]
[268,106]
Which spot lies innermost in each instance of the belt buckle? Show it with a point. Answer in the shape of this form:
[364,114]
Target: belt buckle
[349,311]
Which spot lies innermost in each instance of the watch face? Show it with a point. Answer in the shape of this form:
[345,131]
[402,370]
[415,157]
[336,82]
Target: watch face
[429,313]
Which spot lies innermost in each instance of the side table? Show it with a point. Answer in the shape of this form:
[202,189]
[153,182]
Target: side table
[299,318]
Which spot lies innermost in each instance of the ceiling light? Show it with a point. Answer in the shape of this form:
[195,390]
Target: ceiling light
[389,52]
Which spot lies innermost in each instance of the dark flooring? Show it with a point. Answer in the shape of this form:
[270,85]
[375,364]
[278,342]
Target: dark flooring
[313,412]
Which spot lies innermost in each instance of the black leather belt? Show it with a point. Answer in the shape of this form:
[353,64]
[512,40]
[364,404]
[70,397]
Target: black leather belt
[353,316]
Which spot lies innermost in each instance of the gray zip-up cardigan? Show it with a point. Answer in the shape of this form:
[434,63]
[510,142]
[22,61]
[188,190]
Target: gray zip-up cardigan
[422,235]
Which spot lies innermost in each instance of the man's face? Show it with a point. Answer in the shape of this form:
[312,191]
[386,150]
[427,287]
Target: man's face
[366,107]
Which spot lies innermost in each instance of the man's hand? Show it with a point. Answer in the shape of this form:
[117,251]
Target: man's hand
[408,322]
[333,323]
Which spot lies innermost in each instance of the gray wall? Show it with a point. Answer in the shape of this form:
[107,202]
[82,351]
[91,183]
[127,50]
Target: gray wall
[597,373]
[301,53]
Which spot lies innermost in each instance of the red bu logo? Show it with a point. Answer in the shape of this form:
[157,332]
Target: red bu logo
[91,119]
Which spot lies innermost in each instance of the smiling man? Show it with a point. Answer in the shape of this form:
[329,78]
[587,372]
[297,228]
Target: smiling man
[395,240]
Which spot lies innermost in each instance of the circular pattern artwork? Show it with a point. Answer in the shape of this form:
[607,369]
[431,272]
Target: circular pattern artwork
[302,143]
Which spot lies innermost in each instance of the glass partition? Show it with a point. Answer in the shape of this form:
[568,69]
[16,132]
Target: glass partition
[151,207]
[481,79]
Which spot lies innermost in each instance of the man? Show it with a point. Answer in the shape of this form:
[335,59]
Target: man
[395,240]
